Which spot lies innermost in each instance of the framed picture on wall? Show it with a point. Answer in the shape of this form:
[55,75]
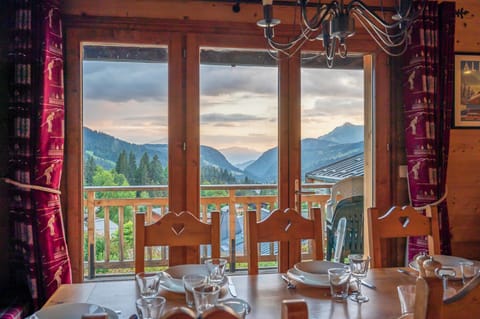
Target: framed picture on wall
[467,90]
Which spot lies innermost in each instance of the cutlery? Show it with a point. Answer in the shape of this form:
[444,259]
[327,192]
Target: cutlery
[367,284]
[290,284]
[231,287]
[406,272]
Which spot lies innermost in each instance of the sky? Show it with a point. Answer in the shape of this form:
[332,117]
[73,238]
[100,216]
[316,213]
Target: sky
[238,104]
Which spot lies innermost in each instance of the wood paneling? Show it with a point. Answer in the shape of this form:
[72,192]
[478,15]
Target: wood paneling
[467,37]
[463,178]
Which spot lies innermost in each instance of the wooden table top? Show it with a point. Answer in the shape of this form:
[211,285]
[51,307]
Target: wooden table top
[264,292]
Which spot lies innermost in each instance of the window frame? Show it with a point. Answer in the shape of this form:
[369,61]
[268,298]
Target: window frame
[184,38]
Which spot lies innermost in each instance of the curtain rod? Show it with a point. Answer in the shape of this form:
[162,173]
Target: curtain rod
[290,4]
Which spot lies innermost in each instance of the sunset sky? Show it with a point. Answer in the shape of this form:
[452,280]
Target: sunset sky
[238,104]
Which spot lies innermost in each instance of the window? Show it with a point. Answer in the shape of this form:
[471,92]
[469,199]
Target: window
[125,149]
[239,126]
[187,56]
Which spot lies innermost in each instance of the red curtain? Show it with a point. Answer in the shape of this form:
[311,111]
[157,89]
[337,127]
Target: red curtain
[428,96]
[39,258]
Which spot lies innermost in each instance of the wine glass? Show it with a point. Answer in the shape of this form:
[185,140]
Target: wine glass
[359,268]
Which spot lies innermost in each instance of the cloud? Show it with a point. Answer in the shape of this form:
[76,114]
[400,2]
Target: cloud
[332,83]
[222,118]
[218,80]
[125,81]
[147,120]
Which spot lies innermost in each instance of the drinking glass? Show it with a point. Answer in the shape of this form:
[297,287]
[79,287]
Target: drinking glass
[359,268]
[468,270]
[151,308]
[339,279]
[205,296]
[191,281]
[216,269]
[148,284]
[406,295]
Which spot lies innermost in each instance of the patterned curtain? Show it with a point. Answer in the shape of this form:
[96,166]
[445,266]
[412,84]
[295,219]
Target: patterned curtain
[39,258]
[428,96]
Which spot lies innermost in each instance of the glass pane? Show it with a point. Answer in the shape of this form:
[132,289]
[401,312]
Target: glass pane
[332,120]
[125,134]
[238,137]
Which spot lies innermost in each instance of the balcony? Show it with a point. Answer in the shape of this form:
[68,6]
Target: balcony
[109,231]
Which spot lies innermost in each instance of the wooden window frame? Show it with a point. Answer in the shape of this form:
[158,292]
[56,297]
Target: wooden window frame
[188,36]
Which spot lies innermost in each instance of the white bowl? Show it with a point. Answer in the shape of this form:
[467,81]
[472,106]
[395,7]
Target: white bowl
[316,270]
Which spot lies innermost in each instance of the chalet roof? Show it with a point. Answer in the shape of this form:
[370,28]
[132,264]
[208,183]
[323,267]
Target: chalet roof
[334,172]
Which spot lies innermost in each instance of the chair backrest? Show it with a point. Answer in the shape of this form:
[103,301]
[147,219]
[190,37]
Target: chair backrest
[288,228]
[294,309]
[401,222]
[219,312]
[348,187]
[180,313]
[352,210]
[172,229]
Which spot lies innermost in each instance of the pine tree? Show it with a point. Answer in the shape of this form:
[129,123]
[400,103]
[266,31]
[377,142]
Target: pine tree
[143,170]
[132,169]
[156,171]
[90,167]
[122,163]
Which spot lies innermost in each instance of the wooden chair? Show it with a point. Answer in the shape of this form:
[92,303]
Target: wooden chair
[294,309]
[288,228]
[401,222]
[219,312]
[180,313]
[172,229]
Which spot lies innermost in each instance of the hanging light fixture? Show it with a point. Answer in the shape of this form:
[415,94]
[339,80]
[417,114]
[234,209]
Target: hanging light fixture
[334,22]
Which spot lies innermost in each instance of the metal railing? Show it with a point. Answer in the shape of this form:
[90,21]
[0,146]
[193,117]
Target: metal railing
[109,221]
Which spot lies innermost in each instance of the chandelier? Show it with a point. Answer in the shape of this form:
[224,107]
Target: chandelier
[334,22]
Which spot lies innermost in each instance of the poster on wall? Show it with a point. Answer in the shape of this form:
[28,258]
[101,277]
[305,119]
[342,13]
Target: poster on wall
[467,90]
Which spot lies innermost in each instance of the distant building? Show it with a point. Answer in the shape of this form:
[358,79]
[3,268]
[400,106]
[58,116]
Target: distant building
[334,172]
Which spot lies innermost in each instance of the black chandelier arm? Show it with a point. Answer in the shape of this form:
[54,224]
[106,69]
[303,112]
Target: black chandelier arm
[388,39]
[392,37]
[388,49]
[360,6]
[315,23]
[285,46]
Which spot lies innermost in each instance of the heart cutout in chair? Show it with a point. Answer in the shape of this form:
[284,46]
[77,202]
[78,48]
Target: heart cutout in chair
[289,224]
[178,228]
[404,220]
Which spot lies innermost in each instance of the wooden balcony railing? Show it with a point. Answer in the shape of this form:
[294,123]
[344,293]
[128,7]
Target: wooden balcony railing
[109,218]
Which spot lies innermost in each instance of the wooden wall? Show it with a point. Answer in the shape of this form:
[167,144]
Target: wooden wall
[463,176]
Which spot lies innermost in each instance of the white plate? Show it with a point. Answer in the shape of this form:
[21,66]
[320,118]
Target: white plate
[71,310]
[177,272]
[292,273]
[316,270]
[446,261]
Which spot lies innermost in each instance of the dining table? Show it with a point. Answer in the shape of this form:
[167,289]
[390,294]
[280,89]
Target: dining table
[264,292]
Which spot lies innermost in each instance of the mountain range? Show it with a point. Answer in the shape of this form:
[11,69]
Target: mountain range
[341,142]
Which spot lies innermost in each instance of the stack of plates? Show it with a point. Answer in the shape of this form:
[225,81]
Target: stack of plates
[313,273]
[71,310]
